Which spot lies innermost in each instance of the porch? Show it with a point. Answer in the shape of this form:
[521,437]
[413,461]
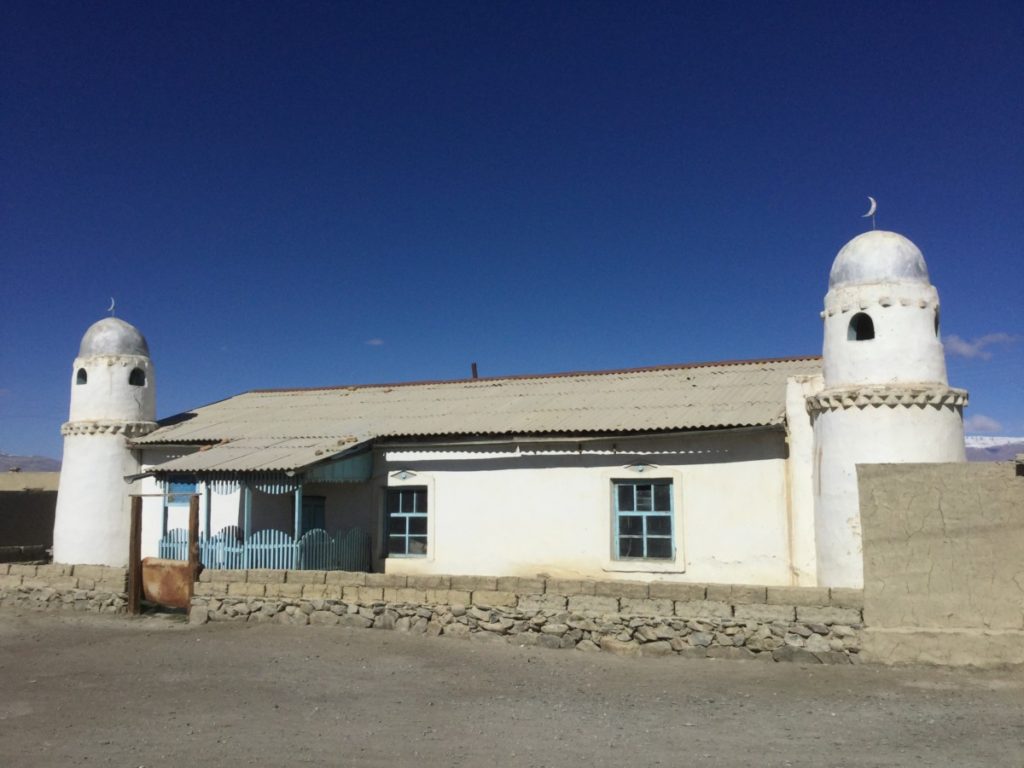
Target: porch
[320,517]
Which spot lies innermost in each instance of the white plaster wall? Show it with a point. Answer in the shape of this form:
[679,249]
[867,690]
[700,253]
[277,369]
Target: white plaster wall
[512,513]
[92,521]
[870,435]
[905,349]
[107,395]
[800,476]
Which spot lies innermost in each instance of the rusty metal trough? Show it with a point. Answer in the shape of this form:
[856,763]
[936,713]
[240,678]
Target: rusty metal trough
[167,582]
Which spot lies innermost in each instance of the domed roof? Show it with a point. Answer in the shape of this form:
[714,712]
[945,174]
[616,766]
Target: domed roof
[113,336]
[878,257]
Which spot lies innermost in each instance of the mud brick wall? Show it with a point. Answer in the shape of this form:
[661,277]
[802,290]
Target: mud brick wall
[807,624]
[95,588]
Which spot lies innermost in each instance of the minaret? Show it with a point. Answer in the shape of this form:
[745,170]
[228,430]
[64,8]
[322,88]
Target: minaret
[113,399]
[886,398]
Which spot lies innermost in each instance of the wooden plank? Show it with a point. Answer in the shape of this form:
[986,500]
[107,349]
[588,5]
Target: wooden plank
[193,544]
[135,558]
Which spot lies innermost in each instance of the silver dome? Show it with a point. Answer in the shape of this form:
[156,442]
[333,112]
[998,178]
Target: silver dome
[113,336]
[878,257]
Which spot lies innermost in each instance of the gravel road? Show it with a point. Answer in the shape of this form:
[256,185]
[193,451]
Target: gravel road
[97,690]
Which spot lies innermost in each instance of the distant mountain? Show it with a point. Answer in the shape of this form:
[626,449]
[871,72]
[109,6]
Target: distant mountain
[28,463]
[985,448]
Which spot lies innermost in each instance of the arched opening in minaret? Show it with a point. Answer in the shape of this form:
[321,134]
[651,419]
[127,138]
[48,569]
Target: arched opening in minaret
[137,378]
[81,377]
[936,322]
[862,328]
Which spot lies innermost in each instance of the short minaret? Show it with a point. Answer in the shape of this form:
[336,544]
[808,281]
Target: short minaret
[113,399]
[886,398]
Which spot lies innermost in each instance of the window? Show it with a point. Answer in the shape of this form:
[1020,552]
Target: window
[137,378]
[407,521]
[179,492]
[643,519]
[862,328]
[81,377]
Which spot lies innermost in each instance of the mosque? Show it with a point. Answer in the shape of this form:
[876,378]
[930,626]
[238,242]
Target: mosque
[737,472]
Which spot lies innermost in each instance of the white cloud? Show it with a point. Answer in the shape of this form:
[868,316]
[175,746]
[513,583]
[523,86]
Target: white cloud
[375,342]
[976,348]
[979,422]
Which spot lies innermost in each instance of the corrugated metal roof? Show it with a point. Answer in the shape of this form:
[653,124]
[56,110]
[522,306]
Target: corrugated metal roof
[249,454]
[285,429]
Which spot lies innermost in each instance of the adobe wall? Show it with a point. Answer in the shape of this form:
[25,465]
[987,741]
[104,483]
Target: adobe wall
[943,562]
[805,624]
[97,588]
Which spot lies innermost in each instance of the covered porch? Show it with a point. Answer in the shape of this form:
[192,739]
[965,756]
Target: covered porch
[321,515]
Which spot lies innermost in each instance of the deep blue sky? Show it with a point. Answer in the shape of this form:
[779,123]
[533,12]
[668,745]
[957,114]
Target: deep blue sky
[299,194]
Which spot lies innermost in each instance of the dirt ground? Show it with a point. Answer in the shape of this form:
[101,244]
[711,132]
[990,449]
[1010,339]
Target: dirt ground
[92,690]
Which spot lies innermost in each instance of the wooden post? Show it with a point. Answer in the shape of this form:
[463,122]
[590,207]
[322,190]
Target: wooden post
[135,558]
[193,544]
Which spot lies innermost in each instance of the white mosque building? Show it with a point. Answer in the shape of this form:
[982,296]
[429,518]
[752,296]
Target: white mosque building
[732,472]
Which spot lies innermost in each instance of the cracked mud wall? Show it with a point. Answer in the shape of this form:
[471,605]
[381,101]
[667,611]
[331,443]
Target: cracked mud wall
[943,545]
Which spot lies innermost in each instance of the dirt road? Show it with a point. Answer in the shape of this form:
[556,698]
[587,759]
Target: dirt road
[90,690]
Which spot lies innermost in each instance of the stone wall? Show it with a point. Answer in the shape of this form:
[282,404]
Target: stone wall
[943,562]
[807,624]
[78,587]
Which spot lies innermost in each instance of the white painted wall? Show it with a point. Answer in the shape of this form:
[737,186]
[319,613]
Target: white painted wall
[800,476]
[107,395]
[92,520]
[871,435]
[906,347]
[544,509]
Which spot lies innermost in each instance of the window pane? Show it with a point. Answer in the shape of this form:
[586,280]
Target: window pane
[643,498]
[625,497]
[417,545]
[419,502]
[398,525]
[394,501]
[659,525]
[396,545]
[631,547]
[418,525]
[662,493]
[659,547]
[631,525]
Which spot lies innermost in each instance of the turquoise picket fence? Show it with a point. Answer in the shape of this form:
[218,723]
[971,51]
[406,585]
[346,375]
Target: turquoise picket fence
[315,550]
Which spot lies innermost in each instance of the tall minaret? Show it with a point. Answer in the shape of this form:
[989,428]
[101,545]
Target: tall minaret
[113,399]
[886,398]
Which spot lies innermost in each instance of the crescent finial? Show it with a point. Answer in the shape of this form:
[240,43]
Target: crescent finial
[110,309]
[871,211]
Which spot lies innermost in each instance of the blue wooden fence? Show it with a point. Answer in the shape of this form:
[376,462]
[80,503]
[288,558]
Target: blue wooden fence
[316,550]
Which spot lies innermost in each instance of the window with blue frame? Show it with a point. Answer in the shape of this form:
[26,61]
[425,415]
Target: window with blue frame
[407,521]
[179,492]
[643,519]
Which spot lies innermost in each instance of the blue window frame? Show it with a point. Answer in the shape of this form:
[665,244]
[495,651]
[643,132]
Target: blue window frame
[643,519]
[407,521]
[179,492]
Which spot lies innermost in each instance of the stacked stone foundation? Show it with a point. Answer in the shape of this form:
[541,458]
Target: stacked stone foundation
[96,588]
[806,624]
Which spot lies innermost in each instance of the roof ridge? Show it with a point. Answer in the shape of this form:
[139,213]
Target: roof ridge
[522,376]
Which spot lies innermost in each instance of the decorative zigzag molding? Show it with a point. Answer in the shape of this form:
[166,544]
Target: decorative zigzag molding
[126,428]
[891,396]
